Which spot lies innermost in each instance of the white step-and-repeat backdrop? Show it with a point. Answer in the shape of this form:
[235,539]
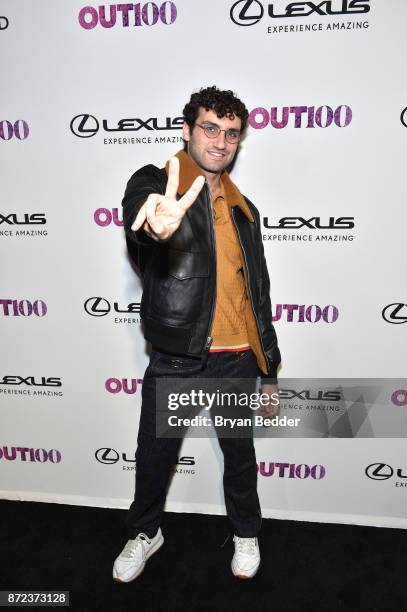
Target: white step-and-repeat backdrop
[91,93]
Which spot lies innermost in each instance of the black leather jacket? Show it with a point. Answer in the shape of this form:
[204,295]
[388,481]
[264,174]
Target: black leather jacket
[179,276]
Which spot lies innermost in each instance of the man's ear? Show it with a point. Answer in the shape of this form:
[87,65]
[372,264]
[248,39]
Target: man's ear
[186,133]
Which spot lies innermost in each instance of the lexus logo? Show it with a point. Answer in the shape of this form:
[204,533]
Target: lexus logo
[97,306]
[3,23]
[403,117]
[84,126]
[391,313]
[107,455]
[246,12]
[379,471]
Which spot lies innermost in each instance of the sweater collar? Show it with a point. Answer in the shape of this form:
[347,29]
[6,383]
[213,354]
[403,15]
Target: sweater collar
[189,170]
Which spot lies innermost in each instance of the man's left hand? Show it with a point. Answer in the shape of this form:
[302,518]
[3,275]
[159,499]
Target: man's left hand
[272,407]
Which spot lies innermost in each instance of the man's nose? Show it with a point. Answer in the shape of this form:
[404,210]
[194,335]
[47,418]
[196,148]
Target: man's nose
[220,140]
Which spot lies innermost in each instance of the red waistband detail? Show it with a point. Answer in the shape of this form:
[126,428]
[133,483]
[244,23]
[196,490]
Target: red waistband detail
[230,350]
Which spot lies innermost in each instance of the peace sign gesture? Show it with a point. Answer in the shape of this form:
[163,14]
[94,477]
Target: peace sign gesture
[161,215]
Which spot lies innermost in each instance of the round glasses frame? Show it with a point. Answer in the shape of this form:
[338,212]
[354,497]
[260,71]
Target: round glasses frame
[212,131]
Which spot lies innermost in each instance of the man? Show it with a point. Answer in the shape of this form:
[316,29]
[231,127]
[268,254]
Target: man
[205,309]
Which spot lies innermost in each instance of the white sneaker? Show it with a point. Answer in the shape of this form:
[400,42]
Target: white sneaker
[131,561]
[246,559]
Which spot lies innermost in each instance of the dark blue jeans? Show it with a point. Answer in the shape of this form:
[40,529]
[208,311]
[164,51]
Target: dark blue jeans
[156,457]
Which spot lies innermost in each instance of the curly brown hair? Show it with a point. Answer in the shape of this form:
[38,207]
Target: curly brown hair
[223,103]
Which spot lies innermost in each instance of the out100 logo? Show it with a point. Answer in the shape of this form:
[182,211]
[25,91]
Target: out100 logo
[23,307]
[19,129]
[142,14]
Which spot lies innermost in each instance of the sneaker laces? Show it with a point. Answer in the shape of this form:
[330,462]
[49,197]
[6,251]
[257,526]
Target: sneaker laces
[246,546]
[132,546]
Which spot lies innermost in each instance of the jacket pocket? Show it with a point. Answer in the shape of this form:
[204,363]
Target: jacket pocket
[187,265]
[178,294]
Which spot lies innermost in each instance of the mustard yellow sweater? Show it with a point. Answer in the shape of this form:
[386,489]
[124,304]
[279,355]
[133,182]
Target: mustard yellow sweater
[234,327]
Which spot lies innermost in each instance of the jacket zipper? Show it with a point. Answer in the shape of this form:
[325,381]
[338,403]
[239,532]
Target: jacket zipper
[209,339]
[248,287]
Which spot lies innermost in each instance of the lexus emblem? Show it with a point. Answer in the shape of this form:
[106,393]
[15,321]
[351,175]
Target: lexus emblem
[246,12]
[97,306]
[391,313]
[107,455]
[379,471]
[84,126]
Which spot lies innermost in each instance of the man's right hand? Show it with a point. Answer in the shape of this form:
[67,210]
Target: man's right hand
[161,215]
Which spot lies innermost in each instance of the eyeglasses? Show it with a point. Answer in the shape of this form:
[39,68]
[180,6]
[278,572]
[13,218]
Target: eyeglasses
[212,131]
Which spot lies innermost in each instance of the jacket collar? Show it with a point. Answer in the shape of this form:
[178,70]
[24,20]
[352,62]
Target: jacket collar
[189,170]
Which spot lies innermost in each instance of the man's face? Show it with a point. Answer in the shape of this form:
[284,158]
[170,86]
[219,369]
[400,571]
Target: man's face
[211,154]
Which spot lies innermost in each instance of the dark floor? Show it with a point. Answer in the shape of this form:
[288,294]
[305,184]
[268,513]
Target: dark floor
[305,566]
